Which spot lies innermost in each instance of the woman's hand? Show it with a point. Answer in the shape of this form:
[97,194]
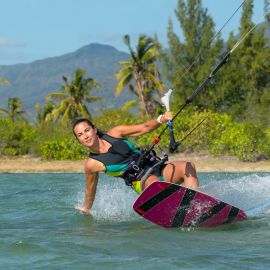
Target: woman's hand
[82,210]
[167,116]
[164,118]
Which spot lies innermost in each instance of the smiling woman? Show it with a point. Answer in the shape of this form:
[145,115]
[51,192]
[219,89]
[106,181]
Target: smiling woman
[85,132]
[115,155]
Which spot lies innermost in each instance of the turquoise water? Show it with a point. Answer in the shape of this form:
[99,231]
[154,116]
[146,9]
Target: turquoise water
[39,228]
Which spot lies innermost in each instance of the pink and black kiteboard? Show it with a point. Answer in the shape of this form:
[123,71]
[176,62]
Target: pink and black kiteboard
[170,205]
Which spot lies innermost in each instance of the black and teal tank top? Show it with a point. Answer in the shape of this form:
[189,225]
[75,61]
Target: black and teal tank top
[119,156]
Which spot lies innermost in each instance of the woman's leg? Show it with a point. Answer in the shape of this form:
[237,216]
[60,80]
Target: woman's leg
[151,179]
[181,171]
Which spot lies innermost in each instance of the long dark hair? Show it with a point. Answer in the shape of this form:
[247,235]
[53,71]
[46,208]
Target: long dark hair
[81,120]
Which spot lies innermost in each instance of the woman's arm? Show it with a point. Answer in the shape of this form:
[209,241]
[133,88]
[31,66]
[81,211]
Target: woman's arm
[139,129]
[91,177]
[90,190]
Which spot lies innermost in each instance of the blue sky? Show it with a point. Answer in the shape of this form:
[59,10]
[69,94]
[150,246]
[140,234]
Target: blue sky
[37,29]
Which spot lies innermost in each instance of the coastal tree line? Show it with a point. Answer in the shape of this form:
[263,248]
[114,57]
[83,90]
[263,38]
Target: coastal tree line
[235,104]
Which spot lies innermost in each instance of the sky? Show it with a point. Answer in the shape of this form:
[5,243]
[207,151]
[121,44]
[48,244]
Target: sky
[36,29]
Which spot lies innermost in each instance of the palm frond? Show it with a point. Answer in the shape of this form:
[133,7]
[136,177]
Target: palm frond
[66,117]
[84,111]
[124,63]
[121,84]
[130,104]
[127,42]
[60,110]
[92,99]
[155,81]
[60,96]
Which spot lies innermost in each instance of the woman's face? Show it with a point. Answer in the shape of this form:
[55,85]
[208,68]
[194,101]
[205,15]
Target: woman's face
[85,134]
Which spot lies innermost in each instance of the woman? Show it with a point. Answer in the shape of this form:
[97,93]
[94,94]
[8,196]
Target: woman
[113,154]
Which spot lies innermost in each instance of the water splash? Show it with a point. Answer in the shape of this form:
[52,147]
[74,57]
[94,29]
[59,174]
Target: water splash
[246,192]
[113,201]
[262,208]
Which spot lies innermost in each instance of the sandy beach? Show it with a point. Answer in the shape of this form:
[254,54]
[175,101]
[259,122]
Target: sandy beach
[203,162]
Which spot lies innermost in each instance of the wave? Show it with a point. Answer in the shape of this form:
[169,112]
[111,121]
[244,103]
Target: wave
[114,200]
[246,192]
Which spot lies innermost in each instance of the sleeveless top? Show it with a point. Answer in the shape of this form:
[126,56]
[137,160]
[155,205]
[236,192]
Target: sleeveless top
[119,156]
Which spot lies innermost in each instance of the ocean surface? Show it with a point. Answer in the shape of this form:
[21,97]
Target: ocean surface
[40,229]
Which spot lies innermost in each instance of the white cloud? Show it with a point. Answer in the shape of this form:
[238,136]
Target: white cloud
[5,42]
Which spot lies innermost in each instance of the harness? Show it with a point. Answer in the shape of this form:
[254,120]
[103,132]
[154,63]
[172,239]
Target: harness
[124,160]
[140,168]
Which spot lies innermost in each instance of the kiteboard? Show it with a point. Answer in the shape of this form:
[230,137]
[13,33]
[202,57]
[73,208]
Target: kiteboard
[170,205]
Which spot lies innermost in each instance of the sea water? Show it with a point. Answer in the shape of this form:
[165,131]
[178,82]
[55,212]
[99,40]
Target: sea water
[40,228]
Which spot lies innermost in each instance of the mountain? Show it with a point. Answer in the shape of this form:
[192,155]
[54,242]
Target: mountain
[32,82]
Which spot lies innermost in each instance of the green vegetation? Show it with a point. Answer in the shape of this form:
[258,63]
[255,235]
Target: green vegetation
[242,87]
[16,137]
[14,110]
[235,106]
[218,135]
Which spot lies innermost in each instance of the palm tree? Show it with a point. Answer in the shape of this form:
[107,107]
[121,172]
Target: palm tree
[44,115]
[14,111]
[142,69]
[72,97]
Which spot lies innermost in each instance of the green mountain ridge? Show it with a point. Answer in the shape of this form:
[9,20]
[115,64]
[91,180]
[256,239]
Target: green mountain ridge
[32,82]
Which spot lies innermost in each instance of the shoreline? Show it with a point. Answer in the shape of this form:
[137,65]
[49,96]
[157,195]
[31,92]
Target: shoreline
[203,162]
